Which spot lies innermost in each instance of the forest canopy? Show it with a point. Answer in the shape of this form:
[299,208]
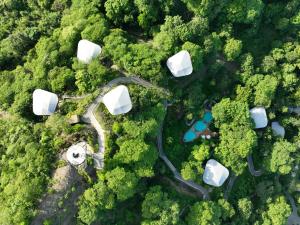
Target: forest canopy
[244,55]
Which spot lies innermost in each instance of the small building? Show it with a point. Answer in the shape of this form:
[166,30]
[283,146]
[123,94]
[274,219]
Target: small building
[87,51]
[259,116]
[44,102]
[118,101]
[215,173]
[180,64]
[278,130]
[76,154]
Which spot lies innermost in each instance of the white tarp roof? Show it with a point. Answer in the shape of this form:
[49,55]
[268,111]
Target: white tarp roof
[76,154]
[87,51]
[259,115]
[215,173]
[118,101]
[180,64]
[278,129]
[44,102]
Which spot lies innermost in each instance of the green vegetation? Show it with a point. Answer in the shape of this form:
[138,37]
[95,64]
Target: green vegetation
[244,54]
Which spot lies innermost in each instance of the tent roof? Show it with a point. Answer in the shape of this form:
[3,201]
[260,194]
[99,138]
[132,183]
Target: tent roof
[278,129]
[180,64]
[76,154]
[259,115]
[118,101]
[44,102]
[215,173]
[87,51]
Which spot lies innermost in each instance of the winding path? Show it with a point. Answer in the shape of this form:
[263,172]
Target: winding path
[89,115]
[176,174]
[252,170]
[230,185]
[293,218]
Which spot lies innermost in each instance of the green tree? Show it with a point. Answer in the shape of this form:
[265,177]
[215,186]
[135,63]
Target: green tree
[281,160]
[232,49]
[123,183]
[61,79]
[93,201]
[239,11]
[138,155]
[209,212]
[158,208]
[192,169]
[96,30]
[277,213]
[245,208]
[265,91]
[196,54]
[120,11]
[236,144]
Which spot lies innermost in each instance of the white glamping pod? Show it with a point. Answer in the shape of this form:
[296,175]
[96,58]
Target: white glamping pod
[215,173]
[259,116]
[118,101]
[87,51]
[180,64]
[44,102]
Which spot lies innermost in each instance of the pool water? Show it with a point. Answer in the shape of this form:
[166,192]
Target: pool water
[200,126]
[189,136]
[207,118]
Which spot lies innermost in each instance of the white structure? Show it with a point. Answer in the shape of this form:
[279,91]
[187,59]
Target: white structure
[180,64]
[87,51]
[76,154]
[215,173]
[118,101]
[259,115]
[44,102]
[278,129]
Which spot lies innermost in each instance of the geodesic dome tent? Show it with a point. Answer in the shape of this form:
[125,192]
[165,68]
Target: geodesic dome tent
[180,64]
[44,102]
[87,51]
[118,101]
[259,116]
[278,129]
[215,173]
[76,154]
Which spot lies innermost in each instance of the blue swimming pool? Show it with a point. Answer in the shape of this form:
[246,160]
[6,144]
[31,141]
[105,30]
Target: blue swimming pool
[189,136]
[200,126]
[207,118]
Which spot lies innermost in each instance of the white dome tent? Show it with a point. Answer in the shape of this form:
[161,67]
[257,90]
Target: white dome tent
[87,51]
[215,173]
[118,101]
[76,154]
[43,102]
[180,64]
[259,115]
[278,129]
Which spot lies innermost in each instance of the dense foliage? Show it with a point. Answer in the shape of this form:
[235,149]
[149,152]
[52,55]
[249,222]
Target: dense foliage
[244,54]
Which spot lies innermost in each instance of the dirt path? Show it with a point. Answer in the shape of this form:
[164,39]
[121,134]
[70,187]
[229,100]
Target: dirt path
[63,179]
